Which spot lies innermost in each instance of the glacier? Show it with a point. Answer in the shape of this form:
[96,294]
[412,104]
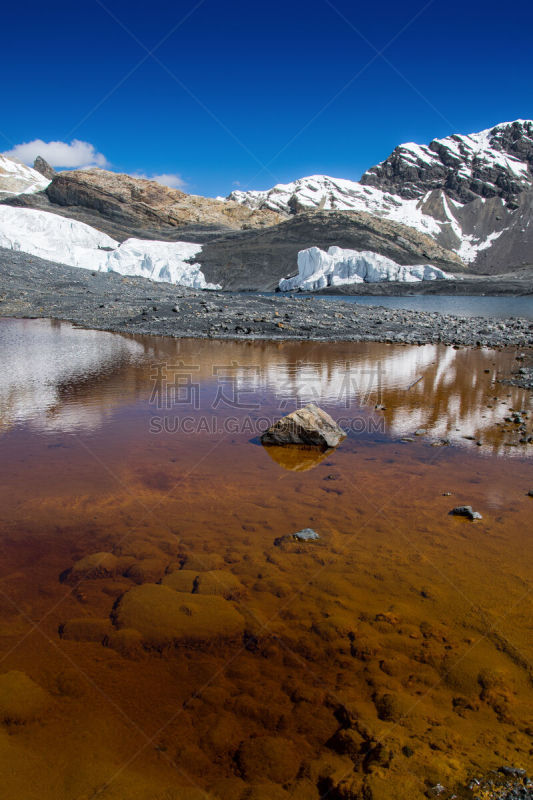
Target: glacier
[75,244]
[17,178]
[339,267]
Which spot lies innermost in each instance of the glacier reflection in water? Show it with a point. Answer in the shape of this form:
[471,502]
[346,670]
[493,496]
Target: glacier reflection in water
[42,364]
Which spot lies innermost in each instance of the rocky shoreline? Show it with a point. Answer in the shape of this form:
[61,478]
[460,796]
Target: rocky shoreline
[31,287]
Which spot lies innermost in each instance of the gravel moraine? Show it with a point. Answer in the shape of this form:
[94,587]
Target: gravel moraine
[31,287]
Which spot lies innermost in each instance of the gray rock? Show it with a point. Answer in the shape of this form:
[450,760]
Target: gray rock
[310,426]
[306,535]
[436,790]
[465,511]
[513,772]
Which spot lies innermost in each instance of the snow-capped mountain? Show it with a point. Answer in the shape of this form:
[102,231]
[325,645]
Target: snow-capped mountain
[17,178]
[467,192]
[67,241]
[497,162]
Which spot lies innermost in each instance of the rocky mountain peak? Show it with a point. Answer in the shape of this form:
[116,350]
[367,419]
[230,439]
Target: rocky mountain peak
[497,162]
[44,168]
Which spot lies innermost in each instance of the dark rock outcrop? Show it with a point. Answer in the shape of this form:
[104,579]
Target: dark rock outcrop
[42,166]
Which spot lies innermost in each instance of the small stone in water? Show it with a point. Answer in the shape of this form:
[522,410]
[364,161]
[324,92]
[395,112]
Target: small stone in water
[466,511]
[306,535]
[512,772]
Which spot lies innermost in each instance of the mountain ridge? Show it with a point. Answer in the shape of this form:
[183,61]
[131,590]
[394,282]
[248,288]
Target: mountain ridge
[472,195]
[432,188]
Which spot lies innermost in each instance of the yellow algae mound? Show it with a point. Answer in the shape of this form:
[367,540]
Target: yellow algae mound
[268,757]
[146,571]
[218,582]
[86,629]
[215,581]
[181,581]
[96,565]
[126,642]
[203,561]
[165,617]
[21,699]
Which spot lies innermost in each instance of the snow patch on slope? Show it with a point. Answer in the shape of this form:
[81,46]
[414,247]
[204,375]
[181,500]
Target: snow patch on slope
[318,269]
[76,244]
[482,149]
[17,178]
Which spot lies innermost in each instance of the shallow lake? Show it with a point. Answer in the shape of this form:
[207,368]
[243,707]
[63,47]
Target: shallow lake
[469,306]
[393,654]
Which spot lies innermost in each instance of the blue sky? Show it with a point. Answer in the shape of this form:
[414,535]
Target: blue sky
[226,93]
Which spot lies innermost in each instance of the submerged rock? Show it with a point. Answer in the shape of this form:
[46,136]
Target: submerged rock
[212,582]
[465,511]
[85,629]
[310,426]
[21,699]
[166,617]
[91,567]
[268,757]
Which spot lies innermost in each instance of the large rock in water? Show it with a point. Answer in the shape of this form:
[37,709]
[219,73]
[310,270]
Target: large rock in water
[309,426]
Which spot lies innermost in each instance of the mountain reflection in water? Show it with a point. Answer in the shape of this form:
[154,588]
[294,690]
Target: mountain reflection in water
[58,378]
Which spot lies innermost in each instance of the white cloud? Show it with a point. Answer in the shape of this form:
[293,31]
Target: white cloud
[59,154]
[173,180]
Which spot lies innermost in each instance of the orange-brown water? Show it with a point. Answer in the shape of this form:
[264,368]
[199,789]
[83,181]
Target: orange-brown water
[393,654]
